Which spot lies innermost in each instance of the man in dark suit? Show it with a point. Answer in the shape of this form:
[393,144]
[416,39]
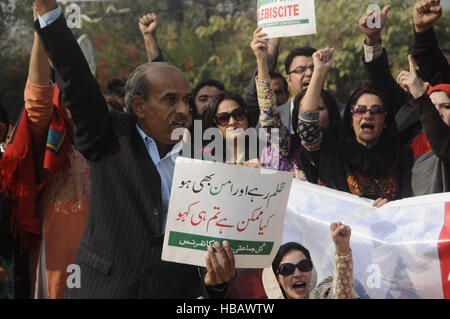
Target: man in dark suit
[131,168]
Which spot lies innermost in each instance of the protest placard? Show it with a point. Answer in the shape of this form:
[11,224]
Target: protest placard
[215,202]
[400,251]
[286,18]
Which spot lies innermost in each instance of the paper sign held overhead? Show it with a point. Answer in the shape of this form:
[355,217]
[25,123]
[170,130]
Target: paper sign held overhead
[286,18]
[215,202]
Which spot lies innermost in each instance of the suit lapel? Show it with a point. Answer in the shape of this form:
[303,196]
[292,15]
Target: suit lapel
[145,161]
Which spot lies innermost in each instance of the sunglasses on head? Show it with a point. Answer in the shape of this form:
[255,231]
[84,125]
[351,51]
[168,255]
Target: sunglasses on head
[223,119]
[360,110]
[288,269]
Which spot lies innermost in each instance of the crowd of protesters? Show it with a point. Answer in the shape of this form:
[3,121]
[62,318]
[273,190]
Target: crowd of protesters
[86,173]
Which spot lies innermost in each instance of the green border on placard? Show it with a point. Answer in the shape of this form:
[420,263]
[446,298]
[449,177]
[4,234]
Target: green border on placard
[283,23]
[240,247]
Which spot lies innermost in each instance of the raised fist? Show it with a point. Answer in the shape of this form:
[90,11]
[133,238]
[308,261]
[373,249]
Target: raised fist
[341,236]
[148,24]
[425,14]
[323,60]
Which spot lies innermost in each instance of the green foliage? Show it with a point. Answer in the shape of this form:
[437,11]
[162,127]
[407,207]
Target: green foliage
[337,27]
[211,39]
[15,45]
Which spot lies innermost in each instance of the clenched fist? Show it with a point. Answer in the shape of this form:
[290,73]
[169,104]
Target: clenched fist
[425,14]
[341,237]
[148,24]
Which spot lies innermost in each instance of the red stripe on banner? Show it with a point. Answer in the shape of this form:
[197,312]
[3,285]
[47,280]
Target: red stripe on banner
[444,252]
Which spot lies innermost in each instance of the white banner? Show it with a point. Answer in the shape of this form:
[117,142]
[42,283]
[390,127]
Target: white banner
[286,18]
[214,202]
[401,250]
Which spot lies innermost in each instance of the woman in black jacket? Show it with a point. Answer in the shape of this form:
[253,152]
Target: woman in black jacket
[365,159]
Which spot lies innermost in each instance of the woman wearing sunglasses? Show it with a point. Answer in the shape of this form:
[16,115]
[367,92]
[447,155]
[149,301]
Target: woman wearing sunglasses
[292,275]
[228,112]
[365,159]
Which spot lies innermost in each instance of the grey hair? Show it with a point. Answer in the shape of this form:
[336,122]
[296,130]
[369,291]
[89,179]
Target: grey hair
[138,85]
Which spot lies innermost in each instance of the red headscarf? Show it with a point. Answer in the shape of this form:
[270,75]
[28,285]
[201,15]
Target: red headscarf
[440,87]
[420,145]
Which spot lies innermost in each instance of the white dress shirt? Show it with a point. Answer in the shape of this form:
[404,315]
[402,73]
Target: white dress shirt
[165,167]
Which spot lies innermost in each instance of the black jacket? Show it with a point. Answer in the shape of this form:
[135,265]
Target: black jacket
[120,251]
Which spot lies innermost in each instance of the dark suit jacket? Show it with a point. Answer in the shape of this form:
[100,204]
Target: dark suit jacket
[120,252]
[379,75]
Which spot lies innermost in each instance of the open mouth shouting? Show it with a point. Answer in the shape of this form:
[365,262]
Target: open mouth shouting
[299,286]
[306,83]
[367,128]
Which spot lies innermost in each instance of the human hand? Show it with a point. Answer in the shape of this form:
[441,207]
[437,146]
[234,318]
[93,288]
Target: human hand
[341,236]
[259,45]
[299,174]
[372,33]
[426,12]
[323,60]
[255,163]
[148,24]
[409,81]
[218,274]
[379,202]
[4,277]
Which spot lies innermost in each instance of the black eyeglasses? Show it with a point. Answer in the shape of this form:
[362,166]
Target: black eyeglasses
[302,69]
[375,110]
[223,119]
[288,269]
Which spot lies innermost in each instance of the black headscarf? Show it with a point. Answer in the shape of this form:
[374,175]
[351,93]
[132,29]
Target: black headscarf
[378,160]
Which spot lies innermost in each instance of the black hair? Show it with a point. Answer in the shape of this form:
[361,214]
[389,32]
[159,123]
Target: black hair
[389,137]
[302,51]
[210,112]
[331,105]
[113,104]
[284,250]
[4,119]
[208,82]
[115,87]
